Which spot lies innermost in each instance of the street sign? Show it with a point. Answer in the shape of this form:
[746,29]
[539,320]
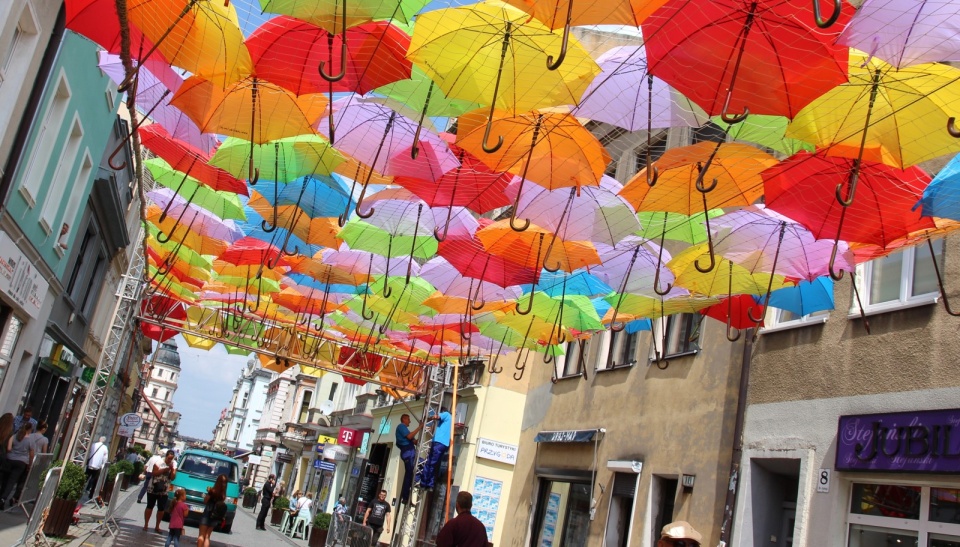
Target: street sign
[324,466]
[129,423]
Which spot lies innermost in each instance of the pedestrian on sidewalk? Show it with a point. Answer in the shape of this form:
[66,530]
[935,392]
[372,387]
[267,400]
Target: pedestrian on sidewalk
[178,514]
[6,431]
[27,416]
[408,453]
[19,457]
[98,458]
[266,500]
[147,473]
[376,515]
[214,496]
[163,472]
[679,534]
[465,530]
[39,441]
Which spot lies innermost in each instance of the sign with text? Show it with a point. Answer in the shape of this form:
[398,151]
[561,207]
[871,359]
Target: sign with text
[349,437]
[324,466]
[19,278]
[497,451]
[323,441]
[566,436]
[913,442]
[129,423]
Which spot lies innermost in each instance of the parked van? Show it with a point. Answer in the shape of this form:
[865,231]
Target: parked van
[198,470]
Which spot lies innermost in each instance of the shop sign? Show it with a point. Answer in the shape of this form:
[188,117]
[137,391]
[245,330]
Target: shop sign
[911,442]
[19,278]
[285,457]
[566,436]
[129,423]
[324,466]
[497,451]
[253,459]
[365,443]
[349,437]
[267,454]
[336,452]
[323,441]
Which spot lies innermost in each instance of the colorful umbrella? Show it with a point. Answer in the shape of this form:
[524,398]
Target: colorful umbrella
[806,297]
[905,33]
[282,160]
[188,159]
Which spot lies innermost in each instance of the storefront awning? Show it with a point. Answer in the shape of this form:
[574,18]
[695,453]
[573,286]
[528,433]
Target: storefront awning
[569,436]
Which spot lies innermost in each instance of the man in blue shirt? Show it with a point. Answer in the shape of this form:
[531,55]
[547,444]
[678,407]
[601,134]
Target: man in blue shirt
[408,453]
[438,449]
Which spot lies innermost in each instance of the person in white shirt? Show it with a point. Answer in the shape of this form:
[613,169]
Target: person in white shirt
[98,458]
[147,474]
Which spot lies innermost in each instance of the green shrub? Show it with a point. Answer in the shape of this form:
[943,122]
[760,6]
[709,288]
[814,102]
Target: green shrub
[71,482]
[146,454]
[137,468]
[250,491]
[281,502]
[322,521]
[122,466]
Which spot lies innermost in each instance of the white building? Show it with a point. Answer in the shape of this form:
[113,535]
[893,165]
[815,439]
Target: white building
[156,401]
[240,421]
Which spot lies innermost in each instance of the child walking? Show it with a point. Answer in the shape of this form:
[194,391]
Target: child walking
[178,512]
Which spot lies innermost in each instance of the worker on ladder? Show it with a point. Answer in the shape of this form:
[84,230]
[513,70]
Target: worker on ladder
[408,453]
[438,449]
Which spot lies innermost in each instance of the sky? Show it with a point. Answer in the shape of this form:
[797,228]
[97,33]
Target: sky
[206,384]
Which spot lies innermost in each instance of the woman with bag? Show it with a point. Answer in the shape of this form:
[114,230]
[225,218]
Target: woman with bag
[208,521]
[19,457]
[163,472]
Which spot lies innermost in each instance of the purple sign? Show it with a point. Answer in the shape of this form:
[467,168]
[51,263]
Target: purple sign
[911,442]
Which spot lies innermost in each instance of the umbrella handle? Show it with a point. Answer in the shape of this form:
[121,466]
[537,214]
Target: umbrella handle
[476,296]
[706,217]
[833,17]
[554,65]
[943,292]
[117,150]
[529,305]
[736,332]
[833,258]
[732,119]
[851,186]
[547,359]
[343,50]
[952,128]
[520,370]
[656,284]
[651,181]
[486,136]
[415,149]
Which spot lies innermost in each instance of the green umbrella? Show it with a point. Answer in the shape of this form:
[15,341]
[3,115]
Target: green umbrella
[418,98]
[362,236]
[282,160]
[767,131]
[328,14]
[512,338]
[182,252]
[674,226]
[570,311]
[233,350]
[223,204]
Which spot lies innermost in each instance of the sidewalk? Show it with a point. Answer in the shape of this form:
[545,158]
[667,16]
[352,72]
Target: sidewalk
[13,522]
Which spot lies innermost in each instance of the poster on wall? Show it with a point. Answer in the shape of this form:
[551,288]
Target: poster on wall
[550,516]
[486,502]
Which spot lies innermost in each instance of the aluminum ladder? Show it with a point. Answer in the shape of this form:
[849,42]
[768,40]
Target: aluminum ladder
[412,512]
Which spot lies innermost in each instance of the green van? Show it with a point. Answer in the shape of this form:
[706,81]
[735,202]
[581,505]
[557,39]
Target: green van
[198,470]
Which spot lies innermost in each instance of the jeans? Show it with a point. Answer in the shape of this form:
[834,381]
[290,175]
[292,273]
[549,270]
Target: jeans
[93,475]
[262,517]
[409,456]
[173,537]
[431,467]
[17,468]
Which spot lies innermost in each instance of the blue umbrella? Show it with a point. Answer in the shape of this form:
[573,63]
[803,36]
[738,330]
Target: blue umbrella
[805,298]
[941,198]
[579,282]
[253,227]
[317,195]
[305,280]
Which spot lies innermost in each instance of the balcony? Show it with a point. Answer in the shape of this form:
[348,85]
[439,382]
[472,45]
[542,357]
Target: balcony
[298,433]
[266,436]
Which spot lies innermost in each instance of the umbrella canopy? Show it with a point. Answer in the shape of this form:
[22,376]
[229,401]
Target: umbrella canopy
[884,114]
[905,33]
[624,94]
[328,14]
[725,279]
[282,160]
[471,258]
[941,198]
[761,56]
[736,311]
[537,246]
[674,226]
[805,298]
[766,131]
[223,204]
[186,158]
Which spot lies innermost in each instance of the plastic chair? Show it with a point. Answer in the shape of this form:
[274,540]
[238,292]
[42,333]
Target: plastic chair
[299,527]
[284,521]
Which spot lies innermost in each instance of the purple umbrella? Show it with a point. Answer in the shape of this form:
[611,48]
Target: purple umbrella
[197,218]
[624,95]
[374,135]
[155,88]
[442,275]
[905,32]
[636,266]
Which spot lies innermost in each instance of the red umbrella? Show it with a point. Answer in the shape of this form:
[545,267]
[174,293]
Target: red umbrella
[736,312]
[768,56]
[98,21]
[470,258]
[164,309]
[472,185]
[804,187]
[188,159]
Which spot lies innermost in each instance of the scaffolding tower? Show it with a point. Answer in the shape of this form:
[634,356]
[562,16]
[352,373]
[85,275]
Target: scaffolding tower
[412,511]
[122,330]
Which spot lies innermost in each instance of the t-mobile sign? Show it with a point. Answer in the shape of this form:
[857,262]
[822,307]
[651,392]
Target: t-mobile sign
[349,437]
[911,442]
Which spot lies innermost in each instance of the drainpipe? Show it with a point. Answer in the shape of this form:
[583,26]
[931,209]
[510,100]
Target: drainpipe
[733,483]
[32,106]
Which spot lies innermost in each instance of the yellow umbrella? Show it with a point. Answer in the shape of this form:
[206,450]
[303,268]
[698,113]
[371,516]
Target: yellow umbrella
[723,280]
[884,114]
[200,36]
[472,49]
[199,342]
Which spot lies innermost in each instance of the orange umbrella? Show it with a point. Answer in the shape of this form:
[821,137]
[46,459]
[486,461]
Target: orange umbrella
[176,232]
[553,150]
[315,231]
[251,109]
[501,239]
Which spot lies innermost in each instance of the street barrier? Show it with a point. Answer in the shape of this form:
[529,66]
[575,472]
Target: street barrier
[34,529]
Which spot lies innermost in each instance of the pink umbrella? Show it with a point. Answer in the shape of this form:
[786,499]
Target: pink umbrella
[749,237]
[448,280]
[636,266]
[374,134]
[197,218]
[905,32]
[595,213]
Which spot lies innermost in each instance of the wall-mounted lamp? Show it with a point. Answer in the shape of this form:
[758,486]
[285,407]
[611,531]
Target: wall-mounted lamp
[687,481]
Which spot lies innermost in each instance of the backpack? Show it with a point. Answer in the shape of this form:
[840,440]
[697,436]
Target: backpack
[219,513]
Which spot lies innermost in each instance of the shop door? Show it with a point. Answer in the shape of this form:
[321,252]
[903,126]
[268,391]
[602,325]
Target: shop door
[47,396]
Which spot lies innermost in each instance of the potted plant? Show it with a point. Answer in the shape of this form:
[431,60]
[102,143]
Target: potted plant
[280,504]
[65,499]
[137,471]
[127,469]
[321,526]
[250,497]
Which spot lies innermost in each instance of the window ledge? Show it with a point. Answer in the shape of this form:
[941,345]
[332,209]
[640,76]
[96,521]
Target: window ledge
[25,192]
[627,366]
[676,355]
[569,377]
[888,307]
[790,325]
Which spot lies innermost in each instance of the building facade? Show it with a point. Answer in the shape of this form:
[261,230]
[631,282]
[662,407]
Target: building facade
[160,421]
[239,422]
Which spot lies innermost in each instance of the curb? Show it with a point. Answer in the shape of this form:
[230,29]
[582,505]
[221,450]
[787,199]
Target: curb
[272,530]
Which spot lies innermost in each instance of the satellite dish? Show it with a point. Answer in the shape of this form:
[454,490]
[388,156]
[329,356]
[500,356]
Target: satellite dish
[326,407]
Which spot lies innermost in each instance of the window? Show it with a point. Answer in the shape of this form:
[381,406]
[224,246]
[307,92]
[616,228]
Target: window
[563,513]
[64,168]
[94,284]
[571,362]
[246,394]
[902,279]
[305,407]
[664,497]
[9,342]
[45,141]
[333,390]
[677,335]
[166,395]
[622,350]
[80,183]
[890,514]
[709,132]
[154,392]
[208,467]
[777,319]
[16,58]
[12,49]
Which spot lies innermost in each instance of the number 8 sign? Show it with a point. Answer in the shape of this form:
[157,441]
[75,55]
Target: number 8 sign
[823,481]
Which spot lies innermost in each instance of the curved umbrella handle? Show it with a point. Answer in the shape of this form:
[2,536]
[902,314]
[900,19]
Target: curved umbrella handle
[706,218]
[751,316]
[165,238]
[551,65]
[733,119]
[368,214]
[486,135]
[363,312]
[656,284]
[547,359]
[529,305]
[952,128]
[343,50]
[652,181]
[546,255]
[851,186]
[833,259]
[116,151]
[833,17]
[413,244]
[735,335]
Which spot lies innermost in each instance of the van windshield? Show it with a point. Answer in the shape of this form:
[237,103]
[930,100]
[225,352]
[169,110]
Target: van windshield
[207,468]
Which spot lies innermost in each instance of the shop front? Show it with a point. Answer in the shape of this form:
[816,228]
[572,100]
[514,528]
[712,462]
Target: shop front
[51,388]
